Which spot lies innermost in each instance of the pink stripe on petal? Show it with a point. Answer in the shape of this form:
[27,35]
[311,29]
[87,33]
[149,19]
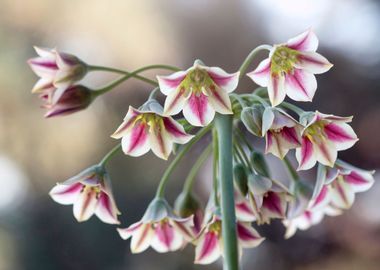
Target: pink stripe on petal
[248,236]
[176,131]
[341,134]
[305,155]
[321,197]
[300,85]
[276,90]
[307,41]
[207,249]
[272,202]
[290,135]
[261,74]
[228,82]
[138,136]
[197,111]
[313,62]
[169,83]
[66,194]
[106,210]
[141,238]
[359,181]
[165,233]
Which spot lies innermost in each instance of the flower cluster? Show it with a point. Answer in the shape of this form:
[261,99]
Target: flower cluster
[193,98]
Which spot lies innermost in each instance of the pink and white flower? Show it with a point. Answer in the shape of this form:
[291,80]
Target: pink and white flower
[159,229]
[243,209]
[323,136]
[198,92]
[90,192]
[282,132]
[209,244]
[147,129]
[290,68]
[57,71]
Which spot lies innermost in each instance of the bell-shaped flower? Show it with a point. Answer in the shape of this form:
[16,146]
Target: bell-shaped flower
[269,198]
[74,99]
[187,205]
[209,243]
[198,92]
[160,229]
[147,128]
[243,208]
[56,70]
[323,136]
[90,192]
[290,68]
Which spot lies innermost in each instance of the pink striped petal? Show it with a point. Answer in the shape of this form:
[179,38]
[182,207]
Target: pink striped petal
[168,84]
[326,152]
[341,134]
[244,212]
[276,89]
[176,131]
[106,209]
[175,101]
[248,236]
[43,85]
[300,85]
[185,227]
[128,232]
[198,111]
[135,142]
[160,142]
[166,238]
[219,100]
[44,52]
[279,143]
[342,195]
[313,62]
[306,155]
[142,238]
[274,205]
[307,41]
[226,81]
[207,250]
[43,67]
[127,123]
[322,199]
[359,181]
[66,194]
[261,74]
[85,205]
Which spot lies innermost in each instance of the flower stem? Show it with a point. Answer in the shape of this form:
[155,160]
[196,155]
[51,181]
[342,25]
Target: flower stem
[215,150]
[250,57]
[161,188]
[292,172]
[292,107]
[223,125]
[109,155]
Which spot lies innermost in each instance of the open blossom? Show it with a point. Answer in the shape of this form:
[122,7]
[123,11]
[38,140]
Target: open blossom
[282,132]
[209,244]
[74,99]
[243,209]
[57,70]
[90,192]
[147,129]
[290,68]
[160,229]
[323,136]
[199,92]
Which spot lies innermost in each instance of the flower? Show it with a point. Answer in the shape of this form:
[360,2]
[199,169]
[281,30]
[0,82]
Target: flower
[199,92]
[209,244]
[282,132]
[56,70]
[290,68]
[74,99]
[323,136]
[90,192]
[147,129]
[160,229]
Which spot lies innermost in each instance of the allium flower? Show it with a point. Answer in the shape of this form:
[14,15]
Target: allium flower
[323,136]
[74,99]
[269,198]
[290,68]
[147,129]
[199,92]
[160,229]
[243,209]
[90,192]
[56,70]
[209,244]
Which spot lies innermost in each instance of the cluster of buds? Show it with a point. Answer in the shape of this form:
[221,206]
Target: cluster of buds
[199,93]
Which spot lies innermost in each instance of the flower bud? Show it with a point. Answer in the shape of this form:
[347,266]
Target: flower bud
[186,205]
[252,118]
[241,178]
[259,164]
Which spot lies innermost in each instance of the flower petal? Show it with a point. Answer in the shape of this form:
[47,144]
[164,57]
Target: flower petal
[43,85]
[341,134]
[198,111]
[359,181]
[248,236]
[85,205]
[313,62]
[307,41]
[141,238]
[219,100]
[125,233]
[274,205]
[300,85]
[326,152]
[106,209]
[66,194]
[135,142]
[261,74]
[168,84]
[276,89]
[244,212]
[208,249]
[342,195]
[322,199]
[306,155]
[166,238]
[160,142]
[175,101]
[43,67]
[127,123]
[226,81]
[176,131]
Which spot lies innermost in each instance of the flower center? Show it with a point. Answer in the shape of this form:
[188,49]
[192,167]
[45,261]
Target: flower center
[315,132]
[283,60]
[197,80]
[215,227]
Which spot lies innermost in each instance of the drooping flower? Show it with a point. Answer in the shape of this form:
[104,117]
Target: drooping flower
[147,129]
[57,70]
[290,68]
[90,192]
[323,136]
[209,244]
[243,209]
[74,99]
[160,229]
[199,92]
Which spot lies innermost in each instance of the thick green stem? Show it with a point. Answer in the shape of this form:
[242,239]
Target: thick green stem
[250,57]
[223,125]
[161,188]
[215,166]
[110,154]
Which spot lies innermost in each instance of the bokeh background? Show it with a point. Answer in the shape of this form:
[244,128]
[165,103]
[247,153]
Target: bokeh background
[35,153]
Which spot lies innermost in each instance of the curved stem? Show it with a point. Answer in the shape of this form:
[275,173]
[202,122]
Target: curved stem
[121,71]
[244,139]
[189,182]
[250,57]
[215,166]
[292,172]
[110,154]
[292,107]
[223,125]
[161,187]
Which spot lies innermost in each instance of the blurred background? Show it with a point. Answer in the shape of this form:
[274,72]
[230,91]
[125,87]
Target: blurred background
[35,153]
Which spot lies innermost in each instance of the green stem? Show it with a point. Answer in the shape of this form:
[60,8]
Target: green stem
[250,57]
[243,155]
[292,172]
[161,187]
[110,154]
[223,125]
[244,139]
[215,166]
[189,182]
[292,107]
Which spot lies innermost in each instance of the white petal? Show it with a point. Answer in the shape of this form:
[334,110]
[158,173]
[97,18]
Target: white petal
[341,134]
[166,238]
[66,194]
[226,81]
[141,238]
[261,75]
[313,62]
[168,84]
[300,85]
[160,142]
[176,131]
[219,100]
[306,155]
[198,111]
[85,205]
[307,41]
[135,142]
[342,195]
[175,101]
[276,89]
[106,209]
[207,250]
